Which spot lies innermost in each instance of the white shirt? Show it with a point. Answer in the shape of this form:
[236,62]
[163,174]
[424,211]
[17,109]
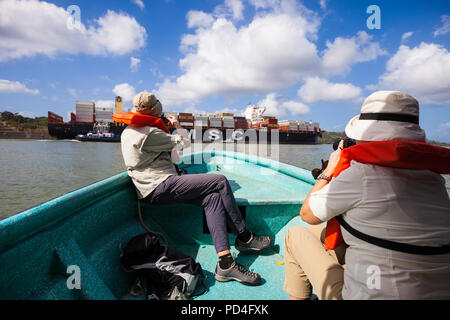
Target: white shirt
[401,205]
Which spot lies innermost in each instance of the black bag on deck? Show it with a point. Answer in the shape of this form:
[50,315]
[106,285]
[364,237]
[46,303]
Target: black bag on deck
[163,272]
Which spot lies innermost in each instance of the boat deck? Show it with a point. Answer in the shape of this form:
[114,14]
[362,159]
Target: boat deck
[269,264]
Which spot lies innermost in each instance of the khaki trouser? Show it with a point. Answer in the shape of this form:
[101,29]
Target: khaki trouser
[308,265]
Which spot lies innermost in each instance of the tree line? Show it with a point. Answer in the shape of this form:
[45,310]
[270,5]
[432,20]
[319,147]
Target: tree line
[19,121]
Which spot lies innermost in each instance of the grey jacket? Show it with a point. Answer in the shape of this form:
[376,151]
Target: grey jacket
[146,152]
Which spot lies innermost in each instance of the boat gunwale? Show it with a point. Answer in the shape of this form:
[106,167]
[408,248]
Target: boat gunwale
[30,221]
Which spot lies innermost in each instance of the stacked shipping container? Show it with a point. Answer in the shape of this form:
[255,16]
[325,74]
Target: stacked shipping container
[85,111]
[103,114]
[240,123]
[228,120]
[186,120]
[201,120]
[270,123]
[288,126]
[215,121]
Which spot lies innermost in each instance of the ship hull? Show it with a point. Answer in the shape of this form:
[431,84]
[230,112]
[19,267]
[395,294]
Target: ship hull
[70,131]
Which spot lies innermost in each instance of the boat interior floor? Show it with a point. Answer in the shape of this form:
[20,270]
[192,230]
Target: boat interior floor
[269,264]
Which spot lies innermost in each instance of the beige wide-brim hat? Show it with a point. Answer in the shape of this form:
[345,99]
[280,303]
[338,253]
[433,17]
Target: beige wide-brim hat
[387,115]
[147,103]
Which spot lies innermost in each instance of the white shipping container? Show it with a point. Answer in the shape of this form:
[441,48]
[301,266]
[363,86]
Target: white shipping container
[200,123]
[228,125]
[287,122]
[186,124]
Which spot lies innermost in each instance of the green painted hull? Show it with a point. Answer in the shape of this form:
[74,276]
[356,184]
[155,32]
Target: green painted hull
[86,228]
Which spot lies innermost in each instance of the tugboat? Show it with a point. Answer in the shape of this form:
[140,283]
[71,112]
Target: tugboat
[100,133]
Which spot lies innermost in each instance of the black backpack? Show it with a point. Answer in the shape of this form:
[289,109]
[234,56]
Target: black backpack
[163,273]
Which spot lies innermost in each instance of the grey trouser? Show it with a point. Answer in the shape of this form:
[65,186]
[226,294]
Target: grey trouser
[212,192]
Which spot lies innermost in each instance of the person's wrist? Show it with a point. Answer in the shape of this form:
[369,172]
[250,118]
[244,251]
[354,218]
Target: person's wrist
[328,173]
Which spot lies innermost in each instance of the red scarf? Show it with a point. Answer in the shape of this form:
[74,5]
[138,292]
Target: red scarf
[140,120]
[392,153]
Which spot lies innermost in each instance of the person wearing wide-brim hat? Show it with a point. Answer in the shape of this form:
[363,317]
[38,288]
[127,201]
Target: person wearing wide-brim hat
[146,152]
[393,208]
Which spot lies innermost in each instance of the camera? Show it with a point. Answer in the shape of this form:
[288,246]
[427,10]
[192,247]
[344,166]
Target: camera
[165,120]
[348,142]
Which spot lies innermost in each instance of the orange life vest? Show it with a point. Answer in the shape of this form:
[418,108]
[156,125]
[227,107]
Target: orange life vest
[392,153]
[140,120]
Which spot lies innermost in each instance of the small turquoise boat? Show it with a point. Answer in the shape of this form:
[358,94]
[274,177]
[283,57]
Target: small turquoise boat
[86,227]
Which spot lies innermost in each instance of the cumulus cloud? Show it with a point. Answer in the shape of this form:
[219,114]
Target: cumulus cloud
[113,33]
[273,51]
[7,86]
[319,89]
[126,91]
[197,18]
[342,53]
[276,106]
[134,64]
[445,28]
[423,71]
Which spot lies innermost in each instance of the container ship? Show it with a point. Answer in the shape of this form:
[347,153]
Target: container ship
[251,127]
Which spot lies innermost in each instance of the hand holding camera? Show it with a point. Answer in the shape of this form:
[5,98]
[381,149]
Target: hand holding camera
[329,165]
[172,121]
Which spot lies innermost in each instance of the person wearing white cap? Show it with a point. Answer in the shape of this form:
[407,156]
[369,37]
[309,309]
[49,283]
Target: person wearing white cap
[393,207]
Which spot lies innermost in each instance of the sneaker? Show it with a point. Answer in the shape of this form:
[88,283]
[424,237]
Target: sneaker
[256,243]
[237,273]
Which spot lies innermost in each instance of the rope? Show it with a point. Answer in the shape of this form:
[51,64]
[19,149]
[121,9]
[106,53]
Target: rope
[147,228]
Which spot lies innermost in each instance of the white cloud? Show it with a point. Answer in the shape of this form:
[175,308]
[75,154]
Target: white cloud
[197,18]
[105,104]
[126,91]
[342,53]
[134,64]
[443,132]
[445,28]
[139,3]
[423,71]
[233,8]
[111,34]
[406,35]
[276,107]
[273,51]
[7,86]
[318,89]
[323,4]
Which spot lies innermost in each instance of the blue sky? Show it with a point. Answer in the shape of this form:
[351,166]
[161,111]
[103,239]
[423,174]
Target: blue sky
[306,60]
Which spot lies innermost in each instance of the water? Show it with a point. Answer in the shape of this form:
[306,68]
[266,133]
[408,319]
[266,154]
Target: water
[34,171]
